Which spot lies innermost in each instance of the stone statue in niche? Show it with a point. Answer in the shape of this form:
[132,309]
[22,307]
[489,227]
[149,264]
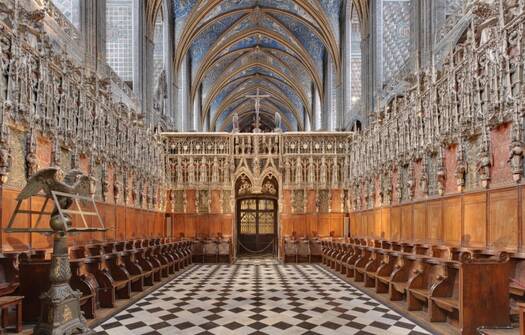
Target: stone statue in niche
[287,172]
[104,182]
[423,180]
[323,173]
[160,94]
[311,172]
[441,173]
[179,171]
[516,151]
[117,186]
[461,166]
[277,122]
[485,160]
[191,171]
[215,171]
[5,160]
[387,186]
[299,172]
[31,158]
[411,182]
[235,122]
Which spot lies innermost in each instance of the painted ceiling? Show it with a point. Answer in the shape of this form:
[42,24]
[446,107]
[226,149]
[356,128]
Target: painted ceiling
[237,47]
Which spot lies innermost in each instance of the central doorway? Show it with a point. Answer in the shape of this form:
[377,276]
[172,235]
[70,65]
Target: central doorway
[257,227]
[256,212]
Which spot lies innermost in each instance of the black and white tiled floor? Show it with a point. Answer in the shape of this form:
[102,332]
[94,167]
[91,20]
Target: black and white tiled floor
[258,299]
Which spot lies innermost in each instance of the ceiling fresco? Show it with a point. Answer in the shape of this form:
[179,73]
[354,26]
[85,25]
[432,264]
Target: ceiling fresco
[238,46]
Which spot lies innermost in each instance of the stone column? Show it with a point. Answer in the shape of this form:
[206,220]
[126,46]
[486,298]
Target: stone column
[306,121]
[169,44]
[197,103]
[139,47]
[149,83]
[183,95]
[316,108]
[330,116]
[93,28]
[347,66]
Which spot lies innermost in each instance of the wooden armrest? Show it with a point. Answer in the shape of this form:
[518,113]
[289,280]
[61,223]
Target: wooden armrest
[120,283]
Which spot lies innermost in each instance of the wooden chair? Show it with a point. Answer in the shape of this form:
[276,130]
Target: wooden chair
[211,251]
[290,250]
[303,251]
[11,301]
[316,251]
[225,250]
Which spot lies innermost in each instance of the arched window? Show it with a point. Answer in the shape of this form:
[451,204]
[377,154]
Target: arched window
[158,51]
[70,9]
[119,38]
[396,38]
[355,66]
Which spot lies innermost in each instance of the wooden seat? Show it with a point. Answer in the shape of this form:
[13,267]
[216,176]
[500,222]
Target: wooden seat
[449,304]
[420,292]
[11,301]
[290,250]
[432,271]
[86,283]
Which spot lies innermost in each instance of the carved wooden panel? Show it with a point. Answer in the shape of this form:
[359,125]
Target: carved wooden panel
[120,223]
[452,221]
[191,202]
[336,203]
[503,219]
[385,224]
[474,224]
[298,201]
[407,223]
[434,221]
[178,201]
[420,222]
[203,201]
[324,201]
[324,224]
[286,225]
[395,223]
[17,144]
[378,231]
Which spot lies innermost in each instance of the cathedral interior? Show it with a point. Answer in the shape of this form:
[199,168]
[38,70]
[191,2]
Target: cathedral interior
[262,167]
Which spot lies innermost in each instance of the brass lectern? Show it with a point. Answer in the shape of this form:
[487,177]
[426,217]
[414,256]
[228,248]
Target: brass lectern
[60,310]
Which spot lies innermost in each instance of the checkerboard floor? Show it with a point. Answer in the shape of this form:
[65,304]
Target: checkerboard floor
[258,299]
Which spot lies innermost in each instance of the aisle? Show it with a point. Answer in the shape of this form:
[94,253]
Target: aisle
[258,299]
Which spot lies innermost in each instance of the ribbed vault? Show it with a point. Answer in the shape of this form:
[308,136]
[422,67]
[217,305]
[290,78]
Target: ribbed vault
[238,46]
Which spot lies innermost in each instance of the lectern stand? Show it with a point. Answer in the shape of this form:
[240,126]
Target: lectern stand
[60,310]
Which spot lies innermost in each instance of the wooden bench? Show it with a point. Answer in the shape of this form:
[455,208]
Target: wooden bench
[447,283]
[11,301]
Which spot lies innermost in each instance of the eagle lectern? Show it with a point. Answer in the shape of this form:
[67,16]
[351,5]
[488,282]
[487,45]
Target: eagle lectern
[60,310]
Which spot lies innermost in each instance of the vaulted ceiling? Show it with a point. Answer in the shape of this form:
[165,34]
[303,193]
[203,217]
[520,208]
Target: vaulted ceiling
[237,47]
